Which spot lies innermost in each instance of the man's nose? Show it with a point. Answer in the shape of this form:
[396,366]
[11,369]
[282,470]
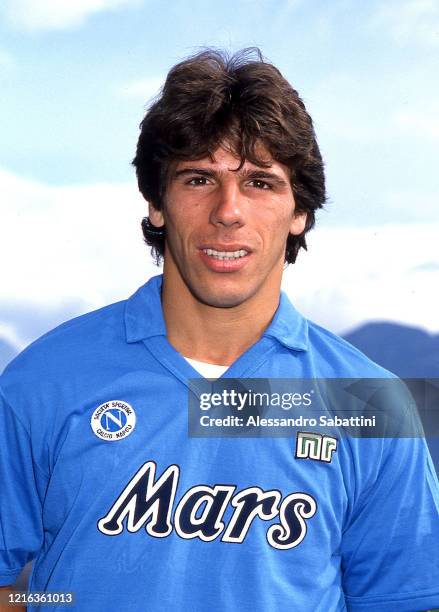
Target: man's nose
[228,206]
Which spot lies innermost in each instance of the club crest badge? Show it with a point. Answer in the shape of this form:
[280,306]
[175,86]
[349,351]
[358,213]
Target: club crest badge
[113,420]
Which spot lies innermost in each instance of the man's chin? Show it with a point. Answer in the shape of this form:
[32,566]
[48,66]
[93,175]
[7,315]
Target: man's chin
[225,299]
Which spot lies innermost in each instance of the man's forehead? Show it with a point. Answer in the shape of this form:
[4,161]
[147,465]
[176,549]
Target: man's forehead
[226,158]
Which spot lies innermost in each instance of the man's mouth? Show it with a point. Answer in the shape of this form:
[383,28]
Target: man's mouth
[221,255]
[219,259]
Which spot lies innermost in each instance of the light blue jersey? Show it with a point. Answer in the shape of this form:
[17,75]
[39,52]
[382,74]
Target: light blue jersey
[102,486]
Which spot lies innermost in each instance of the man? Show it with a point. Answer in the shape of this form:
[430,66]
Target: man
[101,483]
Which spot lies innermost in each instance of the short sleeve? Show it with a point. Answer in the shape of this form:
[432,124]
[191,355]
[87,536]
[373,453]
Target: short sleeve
[21,532]
[390,548]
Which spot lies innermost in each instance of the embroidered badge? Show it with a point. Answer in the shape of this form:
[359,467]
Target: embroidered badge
[113,420]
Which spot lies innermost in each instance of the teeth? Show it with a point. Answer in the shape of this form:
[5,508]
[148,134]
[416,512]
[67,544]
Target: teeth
[225,254]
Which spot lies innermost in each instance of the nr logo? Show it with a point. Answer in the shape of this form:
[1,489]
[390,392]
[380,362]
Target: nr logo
[315,446]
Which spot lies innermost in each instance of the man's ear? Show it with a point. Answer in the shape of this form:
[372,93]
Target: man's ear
[155,215]
[298,223]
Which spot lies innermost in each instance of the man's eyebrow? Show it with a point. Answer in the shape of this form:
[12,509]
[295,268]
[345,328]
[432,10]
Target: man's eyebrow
[264,175]
[248,174]
[201,171]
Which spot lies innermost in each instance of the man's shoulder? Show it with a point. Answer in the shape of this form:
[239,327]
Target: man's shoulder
[71,341]
[344,359]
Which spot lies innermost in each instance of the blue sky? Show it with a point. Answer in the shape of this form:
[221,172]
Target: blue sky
[75,77]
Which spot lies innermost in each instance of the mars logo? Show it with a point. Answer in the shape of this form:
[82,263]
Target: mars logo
[148,502]
[113,420]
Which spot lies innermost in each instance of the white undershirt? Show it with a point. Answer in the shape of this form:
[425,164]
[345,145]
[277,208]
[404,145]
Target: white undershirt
[208,370]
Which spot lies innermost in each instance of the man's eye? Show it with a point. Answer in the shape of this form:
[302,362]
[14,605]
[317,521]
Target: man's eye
[259,184]
[197,180]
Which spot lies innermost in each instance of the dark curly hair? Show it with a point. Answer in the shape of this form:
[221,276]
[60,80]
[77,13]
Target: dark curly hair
[212,97]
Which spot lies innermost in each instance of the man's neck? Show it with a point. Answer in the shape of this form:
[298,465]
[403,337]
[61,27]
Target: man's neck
[213,334]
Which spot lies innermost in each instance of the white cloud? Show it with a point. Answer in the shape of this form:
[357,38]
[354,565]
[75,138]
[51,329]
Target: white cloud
[10,333]
[142,88]
[410,20]
[353,275]
[78,243]
[56,14]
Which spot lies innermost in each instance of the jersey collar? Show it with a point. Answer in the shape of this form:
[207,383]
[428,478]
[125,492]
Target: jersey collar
[144,318]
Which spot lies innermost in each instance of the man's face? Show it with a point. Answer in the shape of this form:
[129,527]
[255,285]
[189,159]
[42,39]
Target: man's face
[226,230]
